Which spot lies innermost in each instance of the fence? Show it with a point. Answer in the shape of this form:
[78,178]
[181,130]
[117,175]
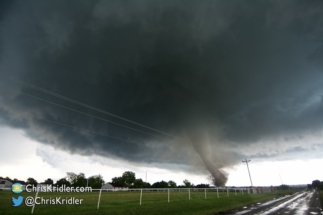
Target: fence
[220,190]
[138,196]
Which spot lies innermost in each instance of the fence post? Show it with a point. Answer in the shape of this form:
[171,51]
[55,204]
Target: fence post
[140,195]
[32,210]
[168,195]
[227,191]
[217,192]
[189,194]
[99,199]
[235,190]
[205,193]
[242,191]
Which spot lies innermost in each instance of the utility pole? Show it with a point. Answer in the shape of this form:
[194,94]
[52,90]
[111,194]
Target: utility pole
[247,161]
[280,179]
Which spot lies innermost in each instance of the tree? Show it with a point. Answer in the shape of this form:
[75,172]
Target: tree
[77,180]
[147,185]
[63,181]
[316,184]
[48,181]
[171,184]
[284,187]
[128,178]
[187,183]
[139,183]
[160,184]
[118,180]
[72,178]
[202,186]
[96,181]
[31,181]
[81,180]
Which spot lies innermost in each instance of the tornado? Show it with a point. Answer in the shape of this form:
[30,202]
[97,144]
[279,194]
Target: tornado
[198,138]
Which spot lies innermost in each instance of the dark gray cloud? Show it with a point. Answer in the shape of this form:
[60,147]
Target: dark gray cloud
[237,72]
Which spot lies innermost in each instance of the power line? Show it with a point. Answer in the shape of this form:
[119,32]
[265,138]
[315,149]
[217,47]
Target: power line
[85,105]
[94,132]
[62,106]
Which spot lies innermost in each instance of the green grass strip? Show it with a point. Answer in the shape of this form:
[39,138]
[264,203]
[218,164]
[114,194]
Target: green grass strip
[153,203]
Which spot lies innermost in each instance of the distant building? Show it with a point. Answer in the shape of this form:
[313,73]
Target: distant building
[114,187]
[107,186]
[4,184]
[21,182]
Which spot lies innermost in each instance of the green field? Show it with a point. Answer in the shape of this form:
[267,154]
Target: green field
[128,203]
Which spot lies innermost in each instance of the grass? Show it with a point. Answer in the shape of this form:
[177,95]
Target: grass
[153,203]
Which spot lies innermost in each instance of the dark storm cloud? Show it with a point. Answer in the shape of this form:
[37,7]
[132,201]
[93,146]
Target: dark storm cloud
[236,72]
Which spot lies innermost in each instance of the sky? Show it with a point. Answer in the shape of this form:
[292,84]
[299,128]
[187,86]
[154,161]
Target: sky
[177,89]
